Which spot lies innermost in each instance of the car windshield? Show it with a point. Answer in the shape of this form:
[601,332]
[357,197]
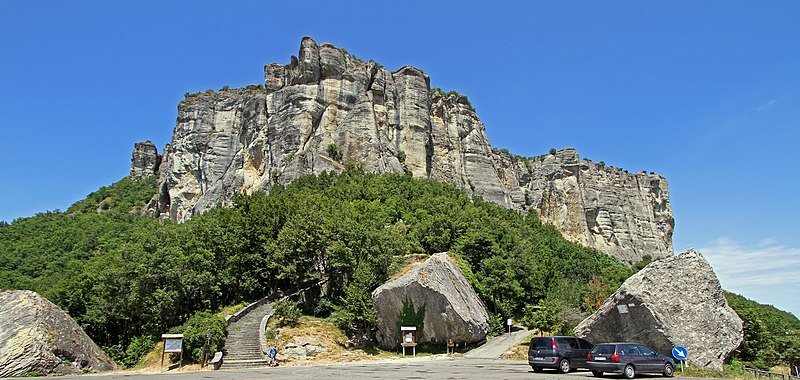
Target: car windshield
[542,343]
[603,349]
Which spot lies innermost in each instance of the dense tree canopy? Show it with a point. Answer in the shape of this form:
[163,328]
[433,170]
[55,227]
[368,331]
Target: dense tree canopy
[127,278]
[771,336]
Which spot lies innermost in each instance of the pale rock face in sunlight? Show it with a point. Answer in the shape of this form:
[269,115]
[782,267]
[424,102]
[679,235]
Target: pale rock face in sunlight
[327,108]
[671,302]
[37,336]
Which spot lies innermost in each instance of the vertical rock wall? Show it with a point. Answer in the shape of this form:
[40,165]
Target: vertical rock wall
[328,107]
[144,160]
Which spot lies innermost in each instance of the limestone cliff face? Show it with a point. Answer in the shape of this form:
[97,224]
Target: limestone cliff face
[327,107]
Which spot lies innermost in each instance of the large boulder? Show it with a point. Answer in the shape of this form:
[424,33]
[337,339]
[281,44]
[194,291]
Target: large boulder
[36,336]
[675,301]
[452,308]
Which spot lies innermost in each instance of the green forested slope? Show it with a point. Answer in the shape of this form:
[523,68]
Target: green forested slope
[122,275]
[771,336]
[127,278]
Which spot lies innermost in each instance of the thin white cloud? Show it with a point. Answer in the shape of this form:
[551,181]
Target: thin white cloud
[766,105]
[767,269]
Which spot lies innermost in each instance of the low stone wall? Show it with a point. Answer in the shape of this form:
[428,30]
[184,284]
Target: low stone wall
[243,311]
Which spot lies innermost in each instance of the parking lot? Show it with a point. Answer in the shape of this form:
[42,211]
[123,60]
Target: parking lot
[420,368]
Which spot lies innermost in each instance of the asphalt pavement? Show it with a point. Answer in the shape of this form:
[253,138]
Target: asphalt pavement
[498,345]
[408,368]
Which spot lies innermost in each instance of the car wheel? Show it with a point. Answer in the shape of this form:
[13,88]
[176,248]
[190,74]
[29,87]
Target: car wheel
[597,373]
[669,370]
[563,366]
[629,372]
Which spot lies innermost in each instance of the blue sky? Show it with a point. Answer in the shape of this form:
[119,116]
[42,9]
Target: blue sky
[706,93]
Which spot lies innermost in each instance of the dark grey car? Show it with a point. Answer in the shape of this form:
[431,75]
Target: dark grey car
[563,353]
[628,359]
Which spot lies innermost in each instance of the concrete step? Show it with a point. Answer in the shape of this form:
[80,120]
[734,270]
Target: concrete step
[226,364]
[251,357]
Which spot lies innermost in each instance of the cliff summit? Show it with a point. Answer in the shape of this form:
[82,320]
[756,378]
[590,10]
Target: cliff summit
[327,107]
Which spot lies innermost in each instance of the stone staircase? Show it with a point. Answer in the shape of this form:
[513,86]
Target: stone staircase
[242,347]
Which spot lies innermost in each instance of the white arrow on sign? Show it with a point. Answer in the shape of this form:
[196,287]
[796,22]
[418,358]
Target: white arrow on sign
[679,352]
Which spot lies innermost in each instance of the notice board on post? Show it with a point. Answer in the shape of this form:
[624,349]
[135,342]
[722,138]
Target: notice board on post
[173,343]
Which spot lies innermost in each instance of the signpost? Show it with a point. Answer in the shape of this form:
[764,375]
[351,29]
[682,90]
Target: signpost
[680,353]
[172,343]
[508,322]
[409,336]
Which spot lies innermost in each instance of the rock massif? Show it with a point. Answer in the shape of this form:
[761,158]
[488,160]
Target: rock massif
[36,336]
[452,308]
[327,107]
[675,301]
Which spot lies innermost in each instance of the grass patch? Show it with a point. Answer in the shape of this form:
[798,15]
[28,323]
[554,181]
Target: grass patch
[519,351]
[230,310]
[402,264]
[734,370]
[331,336]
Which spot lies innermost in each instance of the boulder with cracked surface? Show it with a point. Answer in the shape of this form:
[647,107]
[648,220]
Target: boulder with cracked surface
[452,308]
[36,336]
[675,301]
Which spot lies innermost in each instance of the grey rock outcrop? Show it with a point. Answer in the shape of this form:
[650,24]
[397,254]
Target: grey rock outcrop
[328,107]
[675,301]
[37,336]
[144,160]
[452,308]
[303,347]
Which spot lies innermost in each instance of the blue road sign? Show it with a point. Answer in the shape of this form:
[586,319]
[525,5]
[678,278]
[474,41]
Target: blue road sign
[680,352]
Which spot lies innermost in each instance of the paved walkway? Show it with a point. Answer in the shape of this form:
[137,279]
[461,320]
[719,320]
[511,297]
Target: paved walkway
[498,345]
[242,345]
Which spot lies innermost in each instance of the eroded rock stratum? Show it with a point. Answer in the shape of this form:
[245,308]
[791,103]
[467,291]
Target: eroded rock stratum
[327,107]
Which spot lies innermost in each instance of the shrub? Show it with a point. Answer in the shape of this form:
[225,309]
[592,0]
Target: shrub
[553,151]
[401,156]
[497,326]
[287,312]
[411,317]
[138,347]
[200,328]
[355,309]
[334,152]
[545,318]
